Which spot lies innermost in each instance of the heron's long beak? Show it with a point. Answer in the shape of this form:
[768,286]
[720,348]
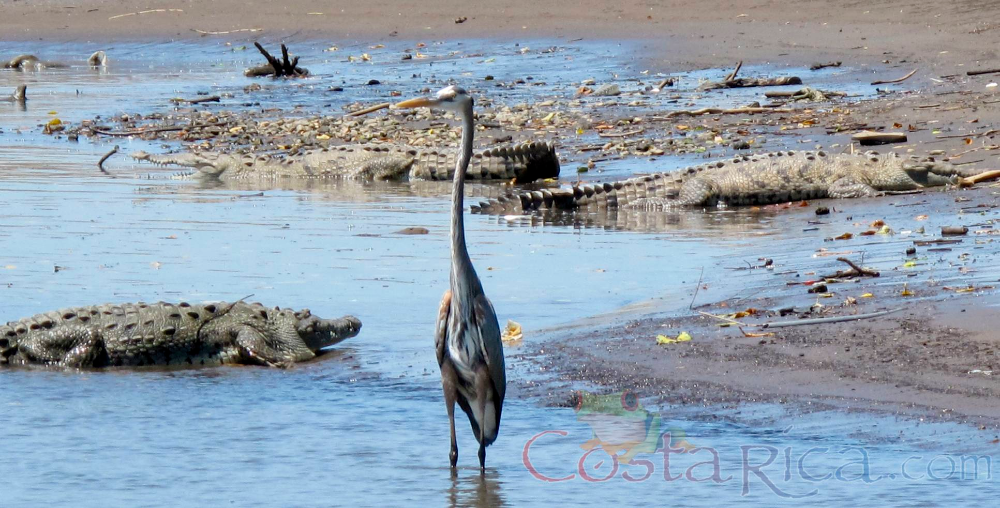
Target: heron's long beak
[419,102]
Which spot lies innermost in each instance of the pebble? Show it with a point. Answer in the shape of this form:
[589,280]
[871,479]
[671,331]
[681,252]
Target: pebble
[608,90]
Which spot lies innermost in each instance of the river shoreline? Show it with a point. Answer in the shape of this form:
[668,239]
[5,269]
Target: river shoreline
[929,361]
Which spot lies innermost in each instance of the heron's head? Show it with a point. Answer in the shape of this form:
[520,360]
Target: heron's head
[450,98]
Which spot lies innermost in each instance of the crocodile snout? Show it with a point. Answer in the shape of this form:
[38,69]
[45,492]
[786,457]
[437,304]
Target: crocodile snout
[320,333]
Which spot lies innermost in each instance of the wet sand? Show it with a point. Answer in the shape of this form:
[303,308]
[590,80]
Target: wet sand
[919,362]
[697,34]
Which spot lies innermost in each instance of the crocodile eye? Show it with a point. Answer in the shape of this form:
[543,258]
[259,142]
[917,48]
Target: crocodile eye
[630,401]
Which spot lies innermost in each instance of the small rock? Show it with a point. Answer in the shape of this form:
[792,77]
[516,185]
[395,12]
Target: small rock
[489,77]
[911,251]
[374,82]
[953,230]
[741,145]
[818,288]
[822,211]
[608,90]
[337,89]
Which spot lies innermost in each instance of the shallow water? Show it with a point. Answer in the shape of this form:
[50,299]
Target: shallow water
[364,424]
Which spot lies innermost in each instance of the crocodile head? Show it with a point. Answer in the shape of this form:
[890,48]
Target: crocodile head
[932,174]
[319,333]
[207,164]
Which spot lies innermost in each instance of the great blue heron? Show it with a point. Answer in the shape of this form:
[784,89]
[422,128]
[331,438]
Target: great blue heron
[469,350]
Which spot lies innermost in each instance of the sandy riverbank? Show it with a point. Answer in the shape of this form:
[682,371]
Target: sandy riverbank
[676,33]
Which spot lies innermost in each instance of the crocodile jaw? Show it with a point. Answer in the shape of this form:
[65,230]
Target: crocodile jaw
[320,333]
[200,163]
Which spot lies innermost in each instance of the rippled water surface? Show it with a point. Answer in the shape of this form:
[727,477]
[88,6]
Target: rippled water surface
[365,423]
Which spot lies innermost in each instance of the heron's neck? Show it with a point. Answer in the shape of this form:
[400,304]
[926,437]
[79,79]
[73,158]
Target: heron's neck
[459,253]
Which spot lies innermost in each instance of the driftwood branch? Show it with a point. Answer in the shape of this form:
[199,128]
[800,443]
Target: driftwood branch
[372,109]
[100,163]
[897,80]
[984,71]
[866,138]
[720,111]
[833,319]
[751,82]
[855,271]
[981,177]
[275,67]
[788,93]
[663,84]
[732,75]
[178,100]
[620,134]
[818,66]
[154,130]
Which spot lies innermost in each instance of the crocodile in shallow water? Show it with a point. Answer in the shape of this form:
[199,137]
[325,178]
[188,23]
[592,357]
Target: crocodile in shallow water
[164,334]
[522,163]
[18,97]
[749,180]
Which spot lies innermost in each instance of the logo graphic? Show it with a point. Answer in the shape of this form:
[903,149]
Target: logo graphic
[622,427]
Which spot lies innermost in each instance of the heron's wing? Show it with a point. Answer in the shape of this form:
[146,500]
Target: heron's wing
[441,333]
[489,334]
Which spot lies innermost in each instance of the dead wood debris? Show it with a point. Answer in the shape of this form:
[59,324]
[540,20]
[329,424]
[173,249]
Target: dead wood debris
[277,68]
[897,80]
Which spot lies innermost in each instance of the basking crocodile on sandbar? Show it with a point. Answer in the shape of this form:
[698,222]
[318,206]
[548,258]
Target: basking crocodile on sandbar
[521,163]
[165,335]
[748,180]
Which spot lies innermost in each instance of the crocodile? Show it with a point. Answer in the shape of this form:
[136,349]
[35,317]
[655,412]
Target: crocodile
[164,334]
[764,179]
[30,62]
[522,163]
[18,97]
[98,59]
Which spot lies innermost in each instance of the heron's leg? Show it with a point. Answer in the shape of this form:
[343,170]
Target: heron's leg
[482,383]
[450,395]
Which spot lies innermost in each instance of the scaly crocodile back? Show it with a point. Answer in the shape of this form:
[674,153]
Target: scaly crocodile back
[133,334]
[523,163]
[748,180]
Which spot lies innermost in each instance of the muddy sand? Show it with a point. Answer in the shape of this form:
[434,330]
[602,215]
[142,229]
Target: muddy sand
[935,358]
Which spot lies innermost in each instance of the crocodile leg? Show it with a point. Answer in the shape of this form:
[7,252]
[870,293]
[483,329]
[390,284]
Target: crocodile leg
[849,188]
[254,346]
[75,347]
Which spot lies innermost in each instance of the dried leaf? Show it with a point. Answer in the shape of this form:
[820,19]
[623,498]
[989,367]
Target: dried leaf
[749,312]
[512,332]
[845,236]
[867,295]
[905,291]
[682,337]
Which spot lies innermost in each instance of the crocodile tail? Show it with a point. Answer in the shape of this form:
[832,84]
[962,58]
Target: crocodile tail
[539,162]
[8,343]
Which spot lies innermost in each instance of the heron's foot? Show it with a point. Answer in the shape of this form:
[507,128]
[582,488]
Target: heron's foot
[482,459]
[454,457]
